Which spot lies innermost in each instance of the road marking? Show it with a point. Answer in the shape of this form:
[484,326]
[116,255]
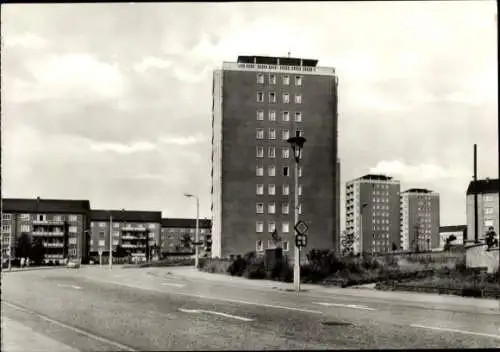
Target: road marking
[353,306]
[88,334]
[210,297]
[456,330]
[214,313]
[172,284]
[72,286]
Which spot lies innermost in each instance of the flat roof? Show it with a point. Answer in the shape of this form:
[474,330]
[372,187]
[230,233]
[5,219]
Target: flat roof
[41,205]
[273,60]
[186,223]
[126,215]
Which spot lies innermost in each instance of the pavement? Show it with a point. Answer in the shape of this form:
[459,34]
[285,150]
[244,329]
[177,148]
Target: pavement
[97,309]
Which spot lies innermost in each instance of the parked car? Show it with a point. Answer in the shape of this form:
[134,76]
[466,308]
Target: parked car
[73,264]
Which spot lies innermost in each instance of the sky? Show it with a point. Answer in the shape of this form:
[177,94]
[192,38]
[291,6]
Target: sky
[112,102]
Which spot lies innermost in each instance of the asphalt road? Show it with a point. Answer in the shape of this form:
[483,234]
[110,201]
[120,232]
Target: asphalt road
[144,309]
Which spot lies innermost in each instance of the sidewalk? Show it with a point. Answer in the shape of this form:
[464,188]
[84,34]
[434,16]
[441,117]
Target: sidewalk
[6,270]
[192,273]
[19,338]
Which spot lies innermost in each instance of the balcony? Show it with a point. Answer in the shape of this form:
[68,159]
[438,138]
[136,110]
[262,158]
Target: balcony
[48,222]
[48,234]
[129,237]
[53,245]
[128,245]
[134,229]
[291,69]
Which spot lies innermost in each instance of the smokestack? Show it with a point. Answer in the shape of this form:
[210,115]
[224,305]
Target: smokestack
[474,188]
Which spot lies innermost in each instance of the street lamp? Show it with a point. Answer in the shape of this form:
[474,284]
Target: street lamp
[197,226]
[297,144]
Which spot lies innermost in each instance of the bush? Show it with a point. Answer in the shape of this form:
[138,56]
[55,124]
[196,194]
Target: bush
[255,270]
[237,268]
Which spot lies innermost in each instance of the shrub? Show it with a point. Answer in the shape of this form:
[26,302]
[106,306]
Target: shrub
[256,270]
[237,268]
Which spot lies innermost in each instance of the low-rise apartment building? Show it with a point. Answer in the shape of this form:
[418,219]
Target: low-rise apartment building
[174,233]
[61,225]
[459,231]
[487,204]
[134,231]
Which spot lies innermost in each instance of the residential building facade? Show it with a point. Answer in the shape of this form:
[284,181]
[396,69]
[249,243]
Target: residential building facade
[61,226]
[175,231]
[134,231]
[258,103]
[459,231]
[487,204]
[372,213]
[419,220]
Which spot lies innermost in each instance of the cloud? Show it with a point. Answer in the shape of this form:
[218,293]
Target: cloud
[71,76]
[135,147]
[151,62]
[25,40]
[424,172]
[182,141]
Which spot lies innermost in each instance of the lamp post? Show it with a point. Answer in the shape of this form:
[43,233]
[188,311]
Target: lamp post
[297,144]
[197,226]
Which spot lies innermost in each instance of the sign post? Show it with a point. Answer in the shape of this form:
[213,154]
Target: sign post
[300,241]
[100,257]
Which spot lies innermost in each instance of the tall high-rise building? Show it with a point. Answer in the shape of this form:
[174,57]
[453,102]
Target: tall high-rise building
[372,213]
[258,103]
[419,219]
[488,213]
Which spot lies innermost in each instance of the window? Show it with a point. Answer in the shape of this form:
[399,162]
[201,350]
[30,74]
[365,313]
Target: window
[285,190]
[116,233]
[271,189]
[91,242]
[260,78]
[270,244]
[72,229]
[40,217]
[115,242]
[272,115]
[73,218]
[260,133]
[488,223]
[285,153]
[116,225]
[5,228]
[286,80]
[101,243]
[488,198]
[101,233]
[271,170]
[301,133]
[25,228]
[72,240]
[298,99]
[260,152]
[57,218]
[298,81]
[6,217]
[272,97]
[286,247]
[285,227]
[271,226]
[259,170]
[259,208]
[271,208]
[102,224]
[300,190]
[285,208]
[300,171]
[488,210]
[298,116]
[258,246]
[285,134]
[300,208]
[260,190]
[260,115]
[285,116]
[25,216]
[260,97]
[272,79]
[286,98]
[286,171]
[272,133]
[259,226]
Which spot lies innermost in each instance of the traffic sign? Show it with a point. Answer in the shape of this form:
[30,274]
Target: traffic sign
[301,240]
[100,251]
[301,227]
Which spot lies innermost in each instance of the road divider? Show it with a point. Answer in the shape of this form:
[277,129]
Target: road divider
[71,286]
[455,330]
[353,306]
[198,311]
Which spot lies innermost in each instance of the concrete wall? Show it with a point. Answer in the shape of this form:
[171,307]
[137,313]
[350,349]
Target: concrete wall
[478,257]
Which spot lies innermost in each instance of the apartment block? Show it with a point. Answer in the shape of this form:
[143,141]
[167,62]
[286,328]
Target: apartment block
[174,231]
[419,219]
[258,103]
[133,231]
[487,191]
[61,225]
[459,231]
[372,213]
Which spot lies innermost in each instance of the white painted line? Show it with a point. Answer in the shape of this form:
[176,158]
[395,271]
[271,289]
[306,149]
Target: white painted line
[353,306]
[88,334]
[456,330]
[172,284]
[214,313]
[209,297]
[72,286]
